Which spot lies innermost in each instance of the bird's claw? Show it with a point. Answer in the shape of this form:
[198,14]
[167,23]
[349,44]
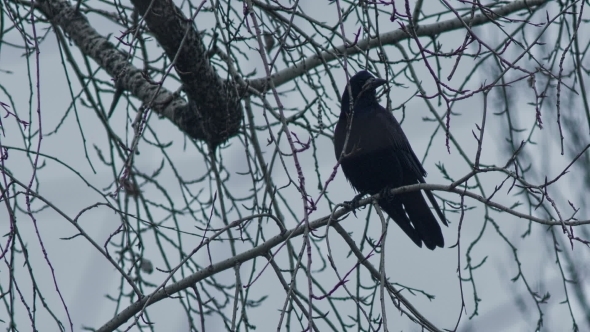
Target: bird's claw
[385,193]
[353,205]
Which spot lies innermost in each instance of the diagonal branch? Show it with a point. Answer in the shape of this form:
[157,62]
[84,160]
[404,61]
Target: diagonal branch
[393,37]
[265,247]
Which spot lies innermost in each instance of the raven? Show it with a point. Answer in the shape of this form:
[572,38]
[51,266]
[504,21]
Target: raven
[378,157]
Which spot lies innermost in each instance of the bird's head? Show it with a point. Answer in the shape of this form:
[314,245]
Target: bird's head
[363,86]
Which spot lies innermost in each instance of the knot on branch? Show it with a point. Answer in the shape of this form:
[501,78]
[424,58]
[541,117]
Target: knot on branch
[214,113]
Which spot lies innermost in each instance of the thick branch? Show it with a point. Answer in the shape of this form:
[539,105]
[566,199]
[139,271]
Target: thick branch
[214,112]
[216,101]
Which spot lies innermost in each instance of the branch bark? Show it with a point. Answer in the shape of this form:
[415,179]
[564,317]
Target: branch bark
[213,113]
[215,101]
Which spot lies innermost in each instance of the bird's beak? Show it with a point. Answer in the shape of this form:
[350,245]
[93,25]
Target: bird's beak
[374,83]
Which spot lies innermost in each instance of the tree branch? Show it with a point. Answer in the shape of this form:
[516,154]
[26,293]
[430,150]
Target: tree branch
[213,113]
[216,102]
[262,249]
[393,37]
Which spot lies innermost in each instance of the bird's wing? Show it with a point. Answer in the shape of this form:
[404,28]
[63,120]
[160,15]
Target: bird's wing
[401,146]
[407,158]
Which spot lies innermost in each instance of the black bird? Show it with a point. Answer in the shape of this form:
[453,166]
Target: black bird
[379,157]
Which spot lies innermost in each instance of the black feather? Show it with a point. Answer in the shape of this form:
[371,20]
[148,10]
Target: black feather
[378,156]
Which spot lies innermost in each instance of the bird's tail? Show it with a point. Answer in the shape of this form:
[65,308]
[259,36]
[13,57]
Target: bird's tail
[413,215]
[393,207]
[423,220]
